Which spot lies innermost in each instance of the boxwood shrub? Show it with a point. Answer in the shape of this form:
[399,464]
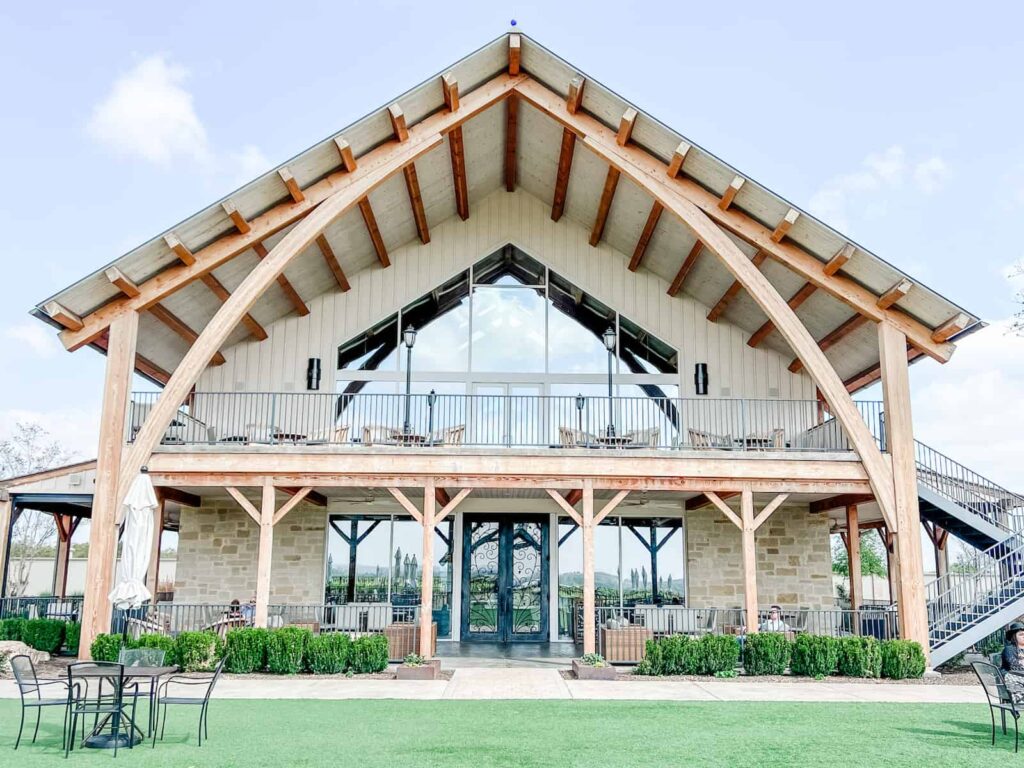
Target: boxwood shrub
[859,657]
[672,655]
[766,653]
[72,635]
[106,647]
[814,655]
[11,629]
[246,650]
[902,659]
[718,654]
[286,648]
[160,642]
[197,651]
[328,654]
[43,634]
[369,654]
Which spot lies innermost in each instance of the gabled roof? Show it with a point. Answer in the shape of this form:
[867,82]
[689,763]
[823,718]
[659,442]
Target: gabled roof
[619,213]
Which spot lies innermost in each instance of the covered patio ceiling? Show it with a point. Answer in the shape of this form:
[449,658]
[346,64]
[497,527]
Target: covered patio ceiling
[835,286]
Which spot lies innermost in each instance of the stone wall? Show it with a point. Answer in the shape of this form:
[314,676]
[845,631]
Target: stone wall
[217,548]
[794,560]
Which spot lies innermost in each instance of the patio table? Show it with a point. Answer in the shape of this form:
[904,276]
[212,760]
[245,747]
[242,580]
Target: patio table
[99,740]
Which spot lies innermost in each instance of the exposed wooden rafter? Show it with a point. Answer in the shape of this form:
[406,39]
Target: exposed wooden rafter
[313,497]
[675,165]
[604,206]
[511,137]
[832,338]
[873,373]
[185,256]
[178,496]
[398,125]
[951,328]
[222,293]
[456,148]
[702,500]
[366,210]
[122,282]
[562,176]
[289,290]
[645,236]
[894,294]
[626,123]
[784,226]
[240,222]
[64,316]
[332,262]
[838,502]
[837,262]
[730,192]
[291,185]
[450,91]
[143,365]
[733,290]
[803,294]
[176,324]
[348,160]
[684,270]
[515,45]
[575,96]
[412,186]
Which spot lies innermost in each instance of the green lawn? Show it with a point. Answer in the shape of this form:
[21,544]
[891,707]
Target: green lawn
[367,734]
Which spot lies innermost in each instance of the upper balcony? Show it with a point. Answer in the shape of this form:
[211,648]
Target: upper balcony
[233,420]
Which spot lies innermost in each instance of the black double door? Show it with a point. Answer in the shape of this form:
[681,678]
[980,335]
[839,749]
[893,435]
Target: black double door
[505,578]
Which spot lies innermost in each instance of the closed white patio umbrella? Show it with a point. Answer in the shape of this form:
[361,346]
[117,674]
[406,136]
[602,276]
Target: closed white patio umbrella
[136,542]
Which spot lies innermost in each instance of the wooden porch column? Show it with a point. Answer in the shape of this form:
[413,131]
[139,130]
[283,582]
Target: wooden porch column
[99,572]
[153,577]
[6,520]
[853,556]
[65,528]
[749,559]
[427,582]
[589,638]
[263,558]
[899,431]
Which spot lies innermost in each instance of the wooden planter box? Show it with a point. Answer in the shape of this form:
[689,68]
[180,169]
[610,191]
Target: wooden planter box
[587,672]
[404,639]
[430,670]
[626,644]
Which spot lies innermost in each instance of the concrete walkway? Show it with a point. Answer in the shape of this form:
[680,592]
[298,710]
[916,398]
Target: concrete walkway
[513,683]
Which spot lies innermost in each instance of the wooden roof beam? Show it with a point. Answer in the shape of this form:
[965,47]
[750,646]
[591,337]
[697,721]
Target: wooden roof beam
[839,502]
[241,223]
[894,294]
[951,327]
[511,138]
[730,192]
[348,160]
[798,298]
[222,293]
[733,290]
[562,176]
[143,365]
[575,95]
[398,126]
[698,502]
[122,282]
[332,262]
[873,373]
[176,324]
[178,496]
[412,186]
[313,497]
[64,316]
[515,49]
[457,150]
[289,290]
[450,91]
[626,123]
[675,165]
[784,226]
[684,270]
[366,210]
[832,338]
[837,262]
[611,181]
[645,236]
[185,256]
[291,185]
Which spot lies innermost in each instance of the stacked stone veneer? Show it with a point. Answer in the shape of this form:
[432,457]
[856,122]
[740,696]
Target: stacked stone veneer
[217,547]
[794,560]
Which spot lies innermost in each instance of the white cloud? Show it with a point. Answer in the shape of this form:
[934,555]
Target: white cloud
[33,335]
[249,163]
[149,114]
[880,172]
[76,429]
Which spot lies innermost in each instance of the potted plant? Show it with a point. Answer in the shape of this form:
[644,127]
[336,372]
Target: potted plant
[415,667]
[592,666]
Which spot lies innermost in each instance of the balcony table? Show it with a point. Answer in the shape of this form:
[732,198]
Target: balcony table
[615,441]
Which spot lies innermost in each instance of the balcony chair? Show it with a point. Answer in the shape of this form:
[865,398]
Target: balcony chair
[993,681]
[380,435]
[30,688]
[644,437]
[699,439]
[449,435]
[135,627]
[201,687]
[575,438]
[336,434]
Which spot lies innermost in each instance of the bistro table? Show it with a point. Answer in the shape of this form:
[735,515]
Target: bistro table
[411,438]
[100,740]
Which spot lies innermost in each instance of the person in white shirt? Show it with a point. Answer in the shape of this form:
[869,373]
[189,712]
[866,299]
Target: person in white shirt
[774,622]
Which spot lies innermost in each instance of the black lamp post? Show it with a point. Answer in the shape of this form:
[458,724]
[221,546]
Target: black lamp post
[409,339]
[581,403]
[609,344]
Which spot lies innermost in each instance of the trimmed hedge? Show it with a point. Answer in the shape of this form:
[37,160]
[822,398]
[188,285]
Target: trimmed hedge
[11,629]
[197,651]
[369,654]
[328,654]
[286,648]
[682,655]
[246,650]
[814,655]
[72,636]
[718,654]
[859,657]
[766,653]
[160,642]
[106,647]
[902,659]
[43,634]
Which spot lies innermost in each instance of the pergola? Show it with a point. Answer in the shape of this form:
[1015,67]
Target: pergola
[514,115]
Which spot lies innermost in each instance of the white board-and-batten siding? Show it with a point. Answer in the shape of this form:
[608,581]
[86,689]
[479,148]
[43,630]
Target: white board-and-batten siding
[279,363]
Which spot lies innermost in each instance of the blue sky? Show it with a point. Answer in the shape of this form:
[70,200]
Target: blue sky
[899,127]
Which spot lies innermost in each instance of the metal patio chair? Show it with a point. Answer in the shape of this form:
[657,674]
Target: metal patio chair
[101,689]
[993,680]
[194,691]
[30,685]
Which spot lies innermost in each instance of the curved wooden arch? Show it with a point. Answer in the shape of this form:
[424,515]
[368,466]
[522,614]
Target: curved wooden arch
[650,175]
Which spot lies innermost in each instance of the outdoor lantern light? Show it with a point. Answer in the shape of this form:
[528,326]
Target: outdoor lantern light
[313,373]
[700,378]
[581,403]
[609,344]
[408,338]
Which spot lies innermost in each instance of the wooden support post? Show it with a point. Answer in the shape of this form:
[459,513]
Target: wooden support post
[589,638]
[99,573]
[853,560]
[60,571]
[266,552]
[749,559]
[899,430]
[427,563]
[153,577]
[6,520]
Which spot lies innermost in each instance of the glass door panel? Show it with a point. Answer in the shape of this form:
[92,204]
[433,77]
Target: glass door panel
[482,570]
[527,577]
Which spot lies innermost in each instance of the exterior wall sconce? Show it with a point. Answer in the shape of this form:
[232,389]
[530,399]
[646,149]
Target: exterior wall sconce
[700,378]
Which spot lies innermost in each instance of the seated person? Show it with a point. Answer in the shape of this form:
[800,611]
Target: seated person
[1013,661]
[248,611]
[234,609]
[774,622]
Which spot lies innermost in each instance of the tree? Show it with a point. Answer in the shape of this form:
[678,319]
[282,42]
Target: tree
[30,449]
[872,556]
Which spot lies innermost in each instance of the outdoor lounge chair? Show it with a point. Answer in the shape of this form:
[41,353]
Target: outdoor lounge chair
[646,437]
[992,679]
[30,687]
[336,434]
[575,438]
[699,439]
